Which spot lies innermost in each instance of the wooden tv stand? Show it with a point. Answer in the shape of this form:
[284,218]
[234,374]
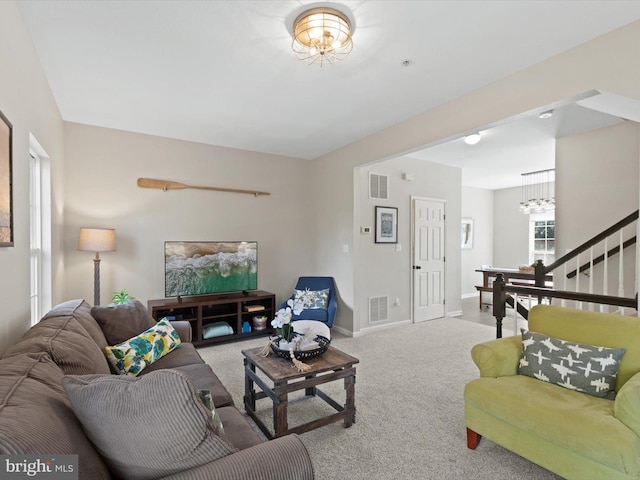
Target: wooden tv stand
[232,308]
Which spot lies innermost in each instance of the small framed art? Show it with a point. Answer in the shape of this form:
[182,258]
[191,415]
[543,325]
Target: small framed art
[386,225]
[466,233]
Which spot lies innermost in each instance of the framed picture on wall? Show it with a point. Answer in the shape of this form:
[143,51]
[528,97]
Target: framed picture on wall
[386,225]
[6,200]
[466,233]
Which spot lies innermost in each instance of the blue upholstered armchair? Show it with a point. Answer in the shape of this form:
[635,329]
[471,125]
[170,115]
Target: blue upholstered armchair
[327,316]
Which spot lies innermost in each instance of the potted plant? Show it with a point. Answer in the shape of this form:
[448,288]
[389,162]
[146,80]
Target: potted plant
[121,297]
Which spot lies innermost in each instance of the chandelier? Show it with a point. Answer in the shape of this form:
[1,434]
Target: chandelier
[538,192]
[322,35]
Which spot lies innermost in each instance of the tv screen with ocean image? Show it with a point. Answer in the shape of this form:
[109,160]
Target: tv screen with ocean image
[200,268]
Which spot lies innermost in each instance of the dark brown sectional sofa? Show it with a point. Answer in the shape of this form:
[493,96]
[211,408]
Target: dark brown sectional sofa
[36,416]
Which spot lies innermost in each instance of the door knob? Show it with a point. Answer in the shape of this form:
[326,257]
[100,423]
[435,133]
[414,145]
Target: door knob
[417,267]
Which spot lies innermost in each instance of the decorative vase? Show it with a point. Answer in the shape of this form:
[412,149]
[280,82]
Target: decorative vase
[259,322]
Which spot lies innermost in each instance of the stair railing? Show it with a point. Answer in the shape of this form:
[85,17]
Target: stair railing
[505,293]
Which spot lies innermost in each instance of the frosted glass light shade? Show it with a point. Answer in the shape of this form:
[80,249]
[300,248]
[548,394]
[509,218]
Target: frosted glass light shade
[322,35]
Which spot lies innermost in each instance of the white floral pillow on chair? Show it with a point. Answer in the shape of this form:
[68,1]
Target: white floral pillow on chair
[313,300]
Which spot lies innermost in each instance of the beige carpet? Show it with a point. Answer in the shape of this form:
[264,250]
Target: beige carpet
[410,419]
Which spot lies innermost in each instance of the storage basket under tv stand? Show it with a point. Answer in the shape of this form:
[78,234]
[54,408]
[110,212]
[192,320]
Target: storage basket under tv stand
[228,307]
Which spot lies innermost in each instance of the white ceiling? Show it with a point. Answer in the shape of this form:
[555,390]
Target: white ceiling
[223,73]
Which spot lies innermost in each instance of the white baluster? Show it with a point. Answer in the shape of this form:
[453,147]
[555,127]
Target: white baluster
[605,283]
[621,271]
[564,283]
[579,306]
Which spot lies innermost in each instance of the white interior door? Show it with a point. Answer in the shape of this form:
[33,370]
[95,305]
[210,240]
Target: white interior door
[428,259]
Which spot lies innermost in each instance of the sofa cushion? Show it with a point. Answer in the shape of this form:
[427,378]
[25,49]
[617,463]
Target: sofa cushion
[122,322]
[563,418]
[67,343]
[145,427]
[204,378]
[184,354]
[584,368]
[238,431]
[81,312]
[137,353]
[36,417]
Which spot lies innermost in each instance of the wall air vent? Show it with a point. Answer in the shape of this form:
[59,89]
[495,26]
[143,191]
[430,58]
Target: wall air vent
[378,309]
[378,186]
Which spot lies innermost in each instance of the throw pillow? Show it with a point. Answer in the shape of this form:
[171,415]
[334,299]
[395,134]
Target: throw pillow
[207,399]
[586,368]
[137,353]
[313,300]
[146,427]
[121,322]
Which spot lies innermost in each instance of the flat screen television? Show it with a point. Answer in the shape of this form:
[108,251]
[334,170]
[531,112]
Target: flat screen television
[201,268]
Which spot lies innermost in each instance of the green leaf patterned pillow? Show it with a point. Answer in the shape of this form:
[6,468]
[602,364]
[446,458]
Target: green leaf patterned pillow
[137,353]
[314,300]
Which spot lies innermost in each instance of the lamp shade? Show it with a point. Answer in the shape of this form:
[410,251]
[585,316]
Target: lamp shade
[97,239]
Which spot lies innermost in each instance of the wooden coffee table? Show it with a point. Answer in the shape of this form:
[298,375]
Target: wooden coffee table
[331,366]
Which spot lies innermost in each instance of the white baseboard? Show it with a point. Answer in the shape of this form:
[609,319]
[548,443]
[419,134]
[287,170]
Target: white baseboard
[376,328]
[455,313]
[343,331]
[470,295]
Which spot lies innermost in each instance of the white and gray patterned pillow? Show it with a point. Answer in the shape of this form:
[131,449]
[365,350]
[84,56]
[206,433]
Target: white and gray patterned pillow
[313,300]
[585,368]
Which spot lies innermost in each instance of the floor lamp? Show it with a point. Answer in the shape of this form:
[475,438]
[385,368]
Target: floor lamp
[97,240]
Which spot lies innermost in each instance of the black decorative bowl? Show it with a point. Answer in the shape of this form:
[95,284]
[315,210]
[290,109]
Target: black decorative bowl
[323,345]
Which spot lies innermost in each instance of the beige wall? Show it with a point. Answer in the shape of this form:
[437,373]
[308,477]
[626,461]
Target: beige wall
[99,192]
[598,181]
[511,229]
[477,204]
[384,271]
[597,186]
[101,170]
[608,63]
[26,101]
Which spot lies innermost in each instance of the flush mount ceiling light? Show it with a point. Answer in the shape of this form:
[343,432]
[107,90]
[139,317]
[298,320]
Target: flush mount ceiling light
[547,114]
[322,35]
[472,139]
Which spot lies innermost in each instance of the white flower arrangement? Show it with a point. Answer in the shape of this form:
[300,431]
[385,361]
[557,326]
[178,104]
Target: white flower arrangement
[282,321]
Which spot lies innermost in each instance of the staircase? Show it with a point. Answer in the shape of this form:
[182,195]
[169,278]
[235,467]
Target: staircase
[582,278]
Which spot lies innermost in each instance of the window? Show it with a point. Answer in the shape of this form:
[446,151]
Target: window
[542,238]
[39,230]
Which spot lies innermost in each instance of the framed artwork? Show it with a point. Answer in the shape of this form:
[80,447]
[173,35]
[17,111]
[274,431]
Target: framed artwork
[386,225]
[6,202]
[466,233]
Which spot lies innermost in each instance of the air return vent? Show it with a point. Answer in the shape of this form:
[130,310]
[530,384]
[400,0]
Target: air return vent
[378,309]
[378,186]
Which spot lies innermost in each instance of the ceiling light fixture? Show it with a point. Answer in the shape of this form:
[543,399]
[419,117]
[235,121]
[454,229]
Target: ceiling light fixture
[472,139]
[538,192]
[322,35]
[547,114]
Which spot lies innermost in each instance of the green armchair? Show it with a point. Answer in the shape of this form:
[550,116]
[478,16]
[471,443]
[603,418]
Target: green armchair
[573,434]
